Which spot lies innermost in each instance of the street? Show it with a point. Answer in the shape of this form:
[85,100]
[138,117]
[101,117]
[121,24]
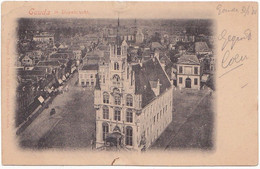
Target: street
[72,126]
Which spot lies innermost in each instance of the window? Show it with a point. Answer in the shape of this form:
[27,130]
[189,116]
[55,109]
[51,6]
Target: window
[158,116]
[180,80]
[116,66]
[117,99]
[116,78]
[82,83]
[129,115]
[92,83]
[105,129]
[195,81]
[129,136]
[105,112]
[91,76]
[129,100]
[105,97]
[104,79]
[180,69]
[154,120]
[117,115]
[195,70]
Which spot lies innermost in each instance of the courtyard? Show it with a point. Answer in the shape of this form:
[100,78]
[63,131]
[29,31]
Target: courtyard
[192,124]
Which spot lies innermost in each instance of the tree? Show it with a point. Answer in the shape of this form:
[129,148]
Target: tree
[173,56]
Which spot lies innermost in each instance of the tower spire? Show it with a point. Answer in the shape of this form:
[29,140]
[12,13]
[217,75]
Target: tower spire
[117,36]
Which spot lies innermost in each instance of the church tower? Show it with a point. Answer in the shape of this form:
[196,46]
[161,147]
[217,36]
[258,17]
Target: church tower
[118,60]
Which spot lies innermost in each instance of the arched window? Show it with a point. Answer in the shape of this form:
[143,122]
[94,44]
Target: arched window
[116,90]
[105,97]
[129,100]
[117,99]
[117,115]
[116,78]
[105,129]
[129,115]
[129,136]
[105,112]
[116,66]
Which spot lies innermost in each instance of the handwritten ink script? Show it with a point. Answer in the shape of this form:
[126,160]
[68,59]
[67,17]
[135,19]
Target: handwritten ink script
[244,10]
[232,60]
[46,12]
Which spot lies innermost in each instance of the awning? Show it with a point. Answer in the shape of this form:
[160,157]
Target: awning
[41,99]
[72,69]
[49,90]
[113,137]
[60,81]
[63,78]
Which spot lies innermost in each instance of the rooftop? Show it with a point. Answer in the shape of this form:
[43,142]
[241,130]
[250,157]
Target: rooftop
[90,67]
[151,71]
[201,47]
[49,63]
[189,60]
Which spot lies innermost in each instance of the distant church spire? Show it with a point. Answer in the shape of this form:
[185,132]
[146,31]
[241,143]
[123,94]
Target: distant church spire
[117,36]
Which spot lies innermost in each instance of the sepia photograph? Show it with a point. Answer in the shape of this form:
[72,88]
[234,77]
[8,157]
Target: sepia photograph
[129,83]
[115,84]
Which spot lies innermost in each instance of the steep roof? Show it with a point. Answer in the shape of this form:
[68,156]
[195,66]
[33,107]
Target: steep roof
[90,67]
[189,60]
[150,71]
[201,47]
[24,73]
[49,63]
[156,45]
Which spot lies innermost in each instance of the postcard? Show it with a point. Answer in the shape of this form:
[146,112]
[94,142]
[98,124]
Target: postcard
[130,83]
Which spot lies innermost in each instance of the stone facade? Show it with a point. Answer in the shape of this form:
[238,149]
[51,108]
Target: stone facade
[133,101]
[188,72]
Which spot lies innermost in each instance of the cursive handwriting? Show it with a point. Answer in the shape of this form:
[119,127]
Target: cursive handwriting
[228,60]
[232,39]
[222,10]
[232,60]
[244,10]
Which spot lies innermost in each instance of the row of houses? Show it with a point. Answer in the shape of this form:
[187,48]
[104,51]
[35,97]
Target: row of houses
[39,81]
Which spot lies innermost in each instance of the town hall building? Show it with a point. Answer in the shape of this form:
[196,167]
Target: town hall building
[133,101]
